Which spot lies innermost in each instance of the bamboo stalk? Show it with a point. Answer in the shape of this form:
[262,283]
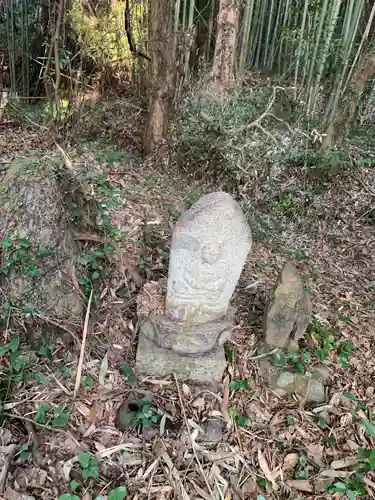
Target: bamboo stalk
[318,38]
[245,40]
[211,20]
[300,46]
[350,33]
[328,34]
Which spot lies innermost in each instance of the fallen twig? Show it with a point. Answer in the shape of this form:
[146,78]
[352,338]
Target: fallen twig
[47,319]
[83,345]
[175,477]
[34,438]
[256,123]
[225,401]
[264,354]
[37,424]
[192,443]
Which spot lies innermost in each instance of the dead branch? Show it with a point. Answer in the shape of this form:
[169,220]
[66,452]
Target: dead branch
[83,346]
[30,427]
[266,113]
[256,123]
[264,354]
[48,427]
[129,34]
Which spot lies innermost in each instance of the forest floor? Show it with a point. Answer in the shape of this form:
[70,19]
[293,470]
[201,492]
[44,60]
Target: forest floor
[316,209]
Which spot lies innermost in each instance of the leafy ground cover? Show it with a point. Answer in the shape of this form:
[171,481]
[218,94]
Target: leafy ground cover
[314,208]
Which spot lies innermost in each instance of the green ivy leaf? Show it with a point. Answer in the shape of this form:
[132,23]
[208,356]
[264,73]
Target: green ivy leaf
[84,459]
[236,385]
[61,418]
[41,414]
[322,423]
[370,428]
[73,484]
[6,243]
[12,346]
[25,451]
[289,419]
[93,468]
[243,421]
[118,493]
[88,382]
[306,356]
[339,487]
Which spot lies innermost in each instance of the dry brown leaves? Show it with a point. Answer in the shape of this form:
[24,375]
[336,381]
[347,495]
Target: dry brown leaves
[172,462]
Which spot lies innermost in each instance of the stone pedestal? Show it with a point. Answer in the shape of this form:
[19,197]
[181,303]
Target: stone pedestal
[157,361]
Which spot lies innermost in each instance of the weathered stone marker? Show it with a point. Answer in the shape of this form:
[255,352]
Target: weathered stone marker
[286,318]
[209,248]
[288,312]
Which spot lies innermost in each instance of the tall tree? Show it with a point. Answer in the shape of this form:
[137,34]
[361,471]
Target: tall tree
[160,73]
[224,64]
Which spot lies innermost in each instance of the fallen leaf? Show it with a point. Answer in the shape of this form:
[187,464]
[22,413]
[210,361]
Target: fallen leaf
[266,470]
[302,432]
[278,419]
[335,473]
[249,487]
[290,461]
[199,403]
[103,369]
[315,453]
[344,462]
[186,390]
[300,484]
[83,409]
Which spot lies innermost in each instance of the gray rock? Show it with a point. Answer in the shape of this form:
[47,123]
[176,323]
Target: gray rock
[209,247]
[212,431]
[288,312]
[310,387]
[31,211]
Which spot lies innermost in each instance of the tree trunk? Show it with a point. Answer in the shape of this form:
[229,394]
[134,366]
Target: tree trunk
[346,115]
[224,64]
[160,74]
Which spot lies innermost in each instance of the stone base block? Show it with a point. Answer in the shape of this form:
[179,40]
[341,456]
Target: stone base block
[153,360]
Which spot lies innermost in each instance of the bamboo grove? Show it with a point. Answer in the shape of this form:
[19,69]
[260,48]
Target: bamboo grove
[311,44]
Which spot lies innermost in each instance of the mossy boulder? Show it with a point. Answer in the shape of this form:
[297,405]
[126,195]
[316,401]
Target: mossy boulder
[37,247]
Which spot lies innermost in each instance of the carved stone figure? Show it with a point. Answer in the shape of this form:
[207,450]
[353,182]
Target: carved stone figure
[288,312]
[285,321]
[209,248]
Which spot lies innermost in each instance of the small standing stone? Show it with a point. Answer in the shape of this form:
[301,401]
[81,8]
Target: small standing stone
[209,247]
[285,321]
[288,312]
